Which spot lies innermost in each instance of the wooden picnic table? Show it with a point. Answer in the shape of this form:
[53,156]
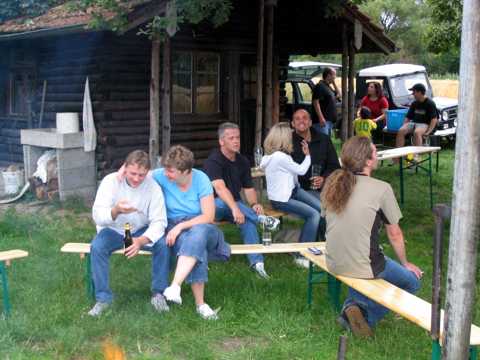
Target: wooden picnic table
[401,152]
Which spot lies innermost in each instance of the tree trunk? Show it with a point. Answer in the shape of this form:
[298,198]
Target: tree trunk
[167,97]
[268,68]
[465,225]
[344,134]
[154,102]
[351,88]
[259,117]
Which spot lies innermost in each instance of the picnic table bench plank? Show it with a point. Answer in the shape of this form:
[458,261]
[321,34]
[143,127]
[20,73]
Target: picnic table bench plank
[237,249]
[397,300]
[9,255]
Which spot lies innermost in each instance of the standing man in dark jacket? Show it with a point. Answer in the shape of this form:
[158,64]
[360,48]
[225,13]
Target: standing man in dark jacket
[322,151]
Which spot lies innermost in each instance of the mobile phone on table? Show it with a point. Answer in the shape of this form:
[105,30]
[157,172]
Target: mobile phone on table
[315,251]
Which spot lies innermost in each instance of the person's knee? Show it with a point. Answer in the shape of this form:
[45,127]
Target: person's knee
[160,246]
[414,284]
[98,243]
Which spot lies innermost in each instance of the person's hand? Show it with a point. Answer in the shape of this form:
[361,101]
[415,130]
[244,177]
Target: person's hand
[173,234]
[133,249]
[121,173]
[305,148]
[258,208]
[317,181]
[238,216]
[124,207]
[322,122]
[415,269]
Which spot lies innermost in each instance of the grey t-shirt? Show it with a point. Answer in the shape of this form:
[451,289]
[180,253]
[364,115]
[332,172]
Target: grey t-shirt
[353,236]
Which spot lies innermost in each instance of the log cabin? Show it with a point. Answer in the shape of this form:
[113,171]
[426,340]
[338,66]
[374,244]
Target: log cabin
[209,75]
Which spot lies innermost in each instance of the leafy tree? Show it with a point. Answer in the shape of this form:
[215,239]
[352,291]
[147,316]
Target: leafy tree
[18,8]
[445,28]
[216,12]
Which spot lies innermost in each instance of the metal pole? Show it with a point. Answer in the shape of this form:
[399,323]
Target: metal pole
[342,348]
[464,231]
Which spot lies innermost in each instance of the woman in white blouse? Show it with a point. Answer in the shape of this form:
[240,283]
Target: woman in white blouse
[283,188]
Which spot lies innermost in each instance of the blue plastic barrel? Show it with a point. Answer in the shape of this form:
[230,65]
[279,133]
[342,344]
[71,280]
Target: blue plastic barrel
[395,119]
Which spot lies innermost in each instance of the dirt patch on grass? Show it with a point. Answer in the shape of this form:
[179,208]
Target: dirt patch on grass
[235,343]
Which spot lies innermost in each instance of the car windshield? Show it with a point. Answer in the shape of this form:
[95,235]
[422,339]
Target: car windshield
[401,84]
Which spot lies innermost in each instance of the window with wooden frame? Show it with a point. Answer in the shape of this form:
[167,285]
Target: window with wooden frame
[196,83]
[20,91]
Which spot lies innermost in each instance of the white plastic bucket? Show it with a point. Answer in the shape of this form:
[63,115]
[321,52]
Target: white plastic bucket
[12,181]
[67,123]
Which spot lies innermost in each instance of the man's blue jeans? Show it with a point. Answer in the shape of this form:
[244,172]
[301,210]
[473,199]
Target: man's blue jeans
[307,207]
[198,242]
[105,243]
[248,229]
[327,129]
[393,273]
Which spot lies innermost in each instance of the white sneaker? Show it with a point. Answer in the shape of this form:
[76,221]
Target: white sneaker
[98,309]
[260,270]
[172,293]
[302,262]
[159,303]
[270,222]
[206,312]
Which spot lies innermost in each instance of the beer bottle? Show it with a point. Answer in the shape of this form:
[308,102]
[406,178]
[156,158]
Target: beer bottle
[127,239]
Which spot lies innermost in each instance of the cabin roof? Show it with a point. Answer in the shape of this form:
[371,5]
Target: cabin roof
[61,19]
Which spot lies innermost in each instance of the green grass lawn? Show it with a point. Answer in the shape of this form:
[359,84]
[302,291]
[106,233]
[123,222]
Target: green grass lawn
[259,319]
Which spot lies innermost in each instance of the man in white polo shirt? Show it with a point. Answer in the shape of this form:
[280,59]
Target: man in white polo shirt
[135,199]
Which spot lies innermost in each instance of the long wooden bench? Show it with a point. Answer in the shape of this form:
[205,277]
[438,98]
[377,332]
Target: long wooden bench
[395,299]
[6,258]
[83,249]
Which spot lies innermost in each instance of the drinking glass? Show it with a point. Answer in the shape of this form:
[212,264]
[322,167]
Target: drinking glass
[316,171]
[258,156]
[266,238]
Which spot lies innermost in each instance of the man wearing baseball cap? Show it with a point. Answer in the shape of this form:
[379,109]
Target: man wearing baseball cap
[421,118]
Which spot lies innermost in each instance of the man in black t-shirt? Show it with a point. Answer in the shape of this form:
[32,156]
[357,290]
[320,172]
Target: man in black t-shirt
[322,151]
[229,172]
[324,111]
[421,118]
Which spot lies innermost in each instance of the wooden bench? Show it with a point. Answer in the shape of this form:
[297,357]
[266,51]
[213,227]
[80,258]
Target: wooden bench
[83,249]
[6,258]
[395,299]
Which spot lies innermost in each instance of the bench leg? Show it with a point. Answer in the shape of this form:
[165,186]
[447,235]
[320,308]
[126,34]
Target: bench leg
[88,278]
[473,353]
[310,284]
[6,296]
[436,350]
[334,287]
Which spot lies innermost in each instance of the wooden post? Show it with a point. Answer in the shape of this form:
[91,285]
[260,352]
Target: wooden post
[154,101]
[465,225]
[344,132]
[259,117]
[442,213]
[351,87]
[167,95]
[269,66]
[276,90]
